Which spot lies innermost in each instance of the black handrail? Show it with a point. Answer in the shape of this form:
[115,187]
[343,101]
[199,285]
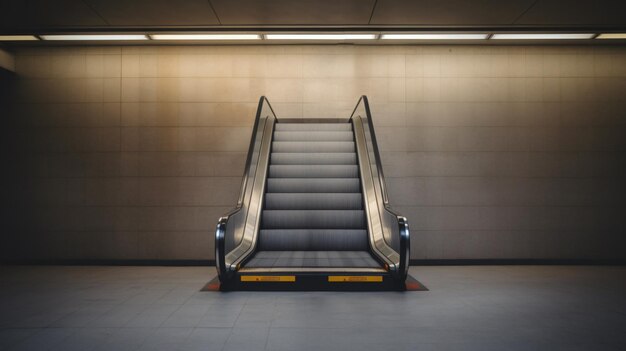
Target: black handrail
[257,118]
[363,99]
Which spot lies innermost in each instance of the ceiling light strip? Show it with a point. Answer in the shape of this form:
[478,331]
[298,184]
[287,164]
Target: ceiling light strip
[227,36]
[312,36]
[542,36]
[343,36]
[18,38]
[435,36]
[611,36]
[95,37]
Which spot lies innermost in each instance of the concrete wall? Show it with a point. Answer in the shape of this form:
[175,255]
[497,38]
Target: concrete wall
[490,151]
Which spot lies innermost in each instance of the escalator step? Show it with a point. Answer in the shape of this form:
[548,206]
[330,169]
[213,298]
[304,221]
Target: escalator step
[269,259]
[314,171]
[313,239]
[313,219]
[337,158]
[313,126]
[313,146]
[313,197]
[313,136]
[313,185]
[313,201]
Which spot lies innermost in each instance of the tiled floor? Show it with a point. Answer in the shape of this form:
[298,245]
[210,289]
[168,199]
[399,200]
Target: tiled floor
[161,308]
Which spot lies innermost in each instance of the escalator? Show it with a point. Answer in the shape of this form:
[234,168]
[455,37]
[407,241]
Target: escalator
[313,212]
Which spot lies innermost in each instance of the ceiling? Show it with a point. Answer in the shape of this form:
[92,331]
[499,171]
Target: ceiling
[50,15]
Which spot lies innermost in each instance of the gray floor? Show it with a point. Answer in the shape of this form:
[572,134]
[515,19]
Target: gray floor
[468,308]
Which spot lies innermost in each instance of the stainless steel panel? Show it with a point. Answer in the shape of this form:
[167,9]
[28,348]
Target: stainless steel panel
[388,231]
[236,233]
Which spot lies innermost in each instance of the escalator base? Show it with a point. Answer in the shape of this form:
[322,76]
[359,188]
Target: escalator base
[312,282]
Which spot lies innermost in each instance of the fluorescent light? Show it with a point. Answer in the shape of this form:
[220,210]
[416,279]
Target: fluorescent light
[205,36]
[541,36]
[435,36]
[17,37]
[95,37]
[611,36]
[320,36]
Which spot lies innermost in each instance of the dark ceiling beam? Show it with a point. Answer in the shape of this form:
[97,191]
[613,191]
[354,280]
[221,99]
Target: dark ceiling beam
[95,12]
[525,11]
[293,12]
[214,12]
[48,15]
[372,14]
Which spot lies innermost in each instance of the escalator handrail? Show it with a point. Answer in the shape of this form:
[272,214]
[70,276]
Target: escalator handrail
[363,99]
[220,233]
[259,110]
[403,225]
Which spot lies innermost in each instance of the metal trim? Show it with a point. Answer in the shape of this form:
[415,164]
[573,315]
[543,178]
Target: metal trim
[398,261]
[250,196]
[374,219]
[253,215]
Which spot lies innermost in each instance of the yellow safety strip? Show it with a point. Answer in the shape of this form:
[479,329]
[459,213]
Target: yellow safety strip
[268,278]
[355,278]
